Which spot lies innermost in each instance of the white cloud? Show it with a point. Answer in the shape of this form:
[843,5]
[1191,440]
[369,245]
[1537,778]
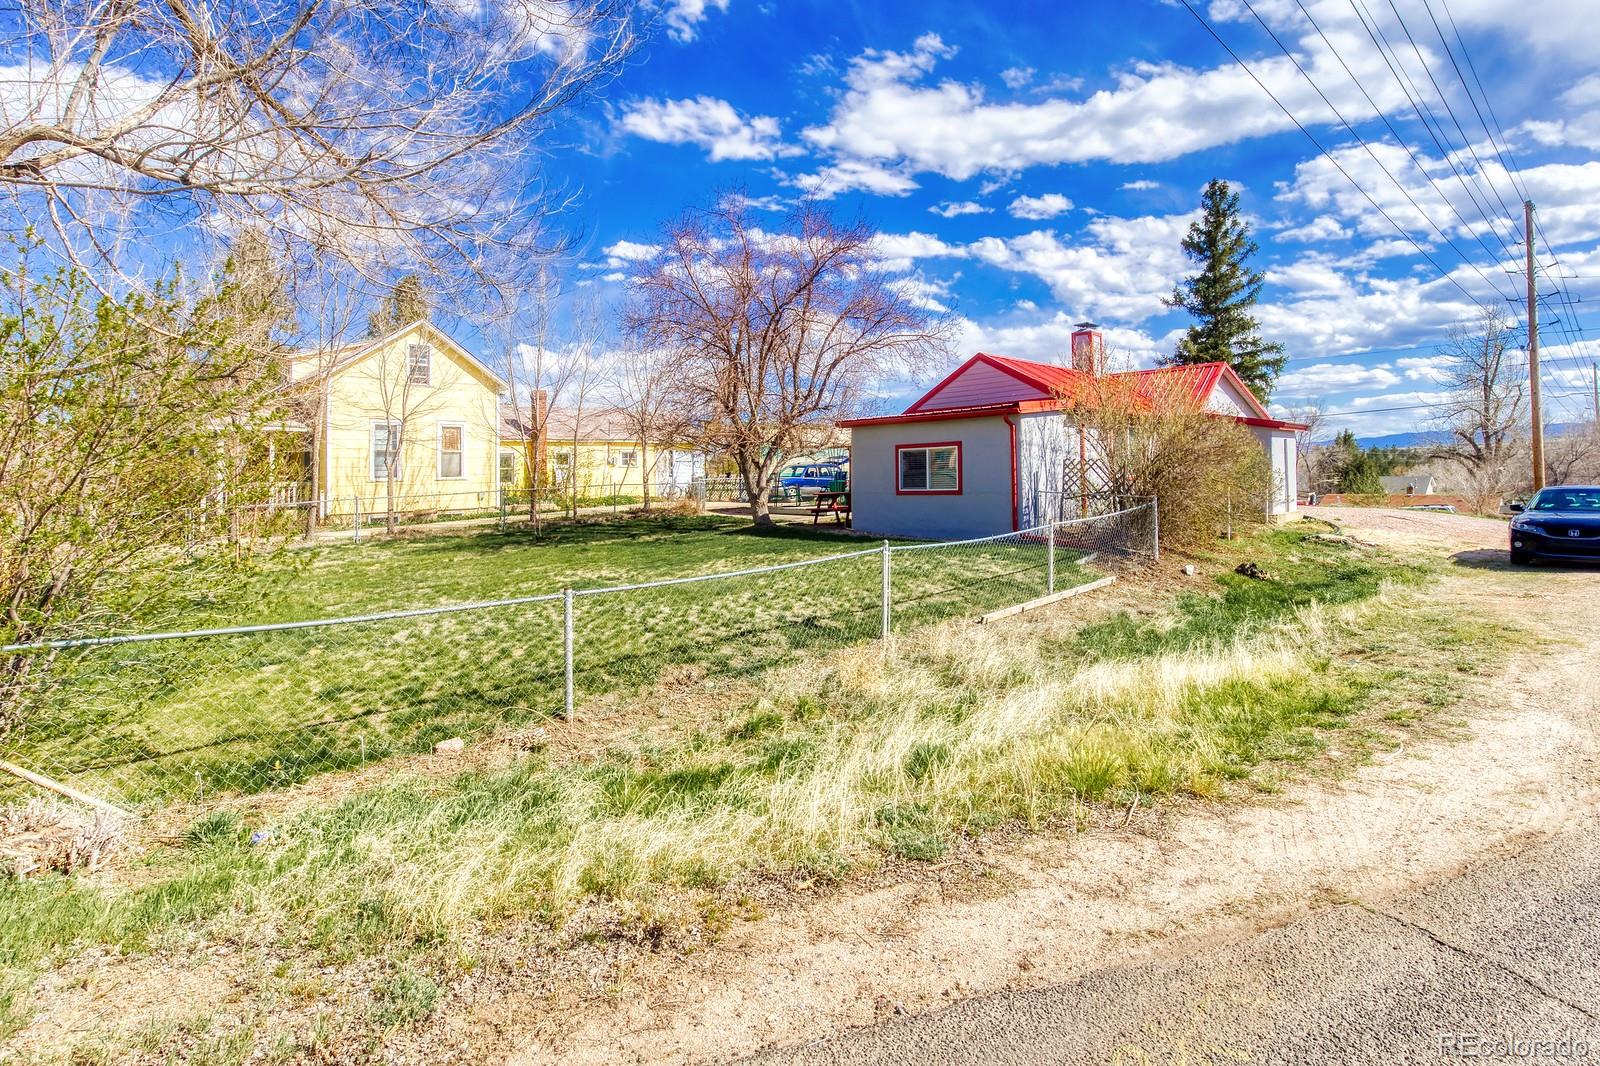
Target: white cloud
[1319,378]
[890,116]
[1048,339]
[900,251]
[1568,195]
[1310,277]
[1118,269]
[1142,185]
[839,178]
[953,209]
[1016,77]
[1424,367]
[1049,205]
[1398,399]
[625,253]
[708,122]
[1321,228]
[683,17]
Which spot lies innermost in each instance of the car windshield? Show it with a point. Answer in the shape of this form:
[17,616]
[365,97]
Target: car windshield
[1566,500]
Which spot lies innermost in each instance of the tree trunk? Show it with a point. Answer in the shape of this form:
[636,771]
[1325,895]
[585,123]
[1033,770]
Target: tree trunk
[644,472]
[388,498]
[757,489]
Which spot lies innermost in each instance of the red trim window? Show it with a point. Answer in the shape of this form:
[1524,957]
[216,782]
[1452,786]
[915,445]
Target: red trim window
[932,469]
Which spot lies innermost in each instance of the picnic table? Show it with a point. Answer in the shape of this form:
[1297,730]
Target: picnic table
[834,502]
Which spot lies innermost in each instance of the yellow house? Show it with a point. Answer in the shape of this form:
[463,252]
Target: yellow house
[599,453]
[409,419]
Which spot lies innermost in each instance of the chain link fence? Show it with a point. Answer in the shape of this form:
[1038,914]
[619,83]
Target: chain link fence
[139,720]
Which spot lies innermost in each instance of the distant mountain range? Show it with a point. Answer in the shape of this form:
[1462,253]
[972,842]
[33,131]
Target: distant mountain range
[1425,437]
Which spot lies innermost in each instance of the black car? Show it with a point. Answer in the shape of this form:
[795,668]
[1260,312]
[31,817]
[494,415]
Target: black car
[1558,523]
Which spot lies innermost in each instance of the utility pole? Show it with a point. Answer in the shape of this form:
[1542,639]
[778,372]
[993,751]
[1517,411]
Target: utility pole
[1533,349]
[1594,374]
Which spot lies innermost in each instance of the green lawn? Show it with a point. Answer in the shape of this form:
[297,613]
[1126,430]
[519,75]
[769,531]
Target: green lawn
[1226,690]
[248,712]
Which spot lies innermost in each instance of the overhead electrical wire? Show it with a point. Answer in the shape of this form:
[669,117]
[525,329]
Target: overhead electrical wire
[1467,226]
[1408,407]
[1510,167]
[1445,100]
[1564,321]
[1419,107]
[1447,275]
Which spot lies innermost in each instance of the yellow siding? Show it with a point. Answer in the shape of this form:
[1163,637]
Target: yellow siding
[375,389]
[600,466]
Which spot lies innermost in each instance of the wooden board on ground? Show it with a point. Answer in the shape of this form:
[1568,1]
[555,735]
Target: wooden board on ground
[1045,601]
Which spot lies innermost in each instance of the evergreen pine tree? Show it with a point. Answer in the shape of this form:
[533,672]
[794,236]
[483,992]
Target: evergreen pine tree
[406,302]
[1220,296]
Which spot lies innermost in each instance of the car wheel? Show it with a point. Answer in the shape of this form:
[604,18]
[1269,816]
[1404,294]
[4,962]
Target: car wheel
[1521,558]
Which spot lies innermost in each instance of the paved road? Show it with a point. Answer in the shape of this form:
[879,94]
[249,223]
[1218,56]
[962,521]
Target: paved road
[1510,948]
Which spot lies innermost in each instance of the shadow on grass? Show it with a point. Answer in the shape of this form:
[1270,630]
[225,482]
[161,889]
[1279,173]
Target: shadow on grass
[604,531]
[1499,559]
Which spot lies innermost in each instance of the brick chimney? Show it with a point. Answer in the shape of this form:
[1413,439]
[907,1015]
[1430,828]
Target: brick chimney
[1088,349]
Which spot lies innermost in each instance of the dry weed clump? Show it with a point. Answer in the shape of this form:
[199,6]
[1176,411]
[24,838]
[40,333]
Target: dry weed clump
[41,836]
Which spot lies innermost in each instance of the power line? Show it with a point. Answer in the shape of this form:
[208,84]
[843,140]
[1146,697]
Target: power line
[1471,231]
[1326,154]
[1510,168]
[1419,107]
[1410,407]
[1445,100]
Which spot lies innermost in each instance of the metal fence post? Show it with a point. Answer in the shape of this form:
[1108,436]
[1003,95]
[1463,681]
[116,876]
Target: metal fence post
[566,644]
[356,517]
[886,594]
[1155,522]
[1050,561]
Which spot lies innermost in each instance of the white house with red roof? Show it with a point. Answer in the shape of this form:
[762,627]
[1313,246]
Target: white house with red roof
[993,448]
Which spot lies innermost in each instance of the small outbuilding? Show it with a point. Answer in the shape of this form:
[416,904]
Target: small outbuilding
[992,448]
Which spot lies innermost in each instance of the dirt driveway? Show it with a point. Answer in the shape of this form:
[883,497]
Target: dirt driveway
[1050,909]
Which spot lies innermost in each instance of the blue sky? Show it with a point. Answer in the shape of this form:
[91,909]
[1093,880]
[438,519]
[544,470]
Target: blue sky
[1033,165]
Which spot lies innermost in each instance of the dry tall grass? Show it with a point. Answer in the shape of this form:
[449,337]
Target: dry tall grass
[961,728]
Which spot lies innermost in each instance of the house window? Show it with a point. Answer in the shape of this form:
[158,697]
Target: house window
[627,458]
[419,364]
[509,469]
[451,443]
[385,443]
[930,468]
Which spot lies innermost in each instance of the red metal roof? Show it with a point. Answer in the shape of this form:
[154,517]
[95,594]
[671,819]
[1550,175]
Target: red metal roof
[1195,383]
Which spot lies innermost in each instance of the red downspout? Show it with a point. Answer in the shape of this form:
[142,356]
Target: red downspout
[1015,523]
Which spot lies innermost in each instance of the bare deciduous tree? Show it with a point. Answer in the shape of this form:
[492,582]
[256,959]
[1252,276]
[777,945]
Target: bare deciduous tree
[585,377]
[1316,461]
[1486,409]
[538,379]
[774,336]
[392,135]
[1573,457]
[647,405]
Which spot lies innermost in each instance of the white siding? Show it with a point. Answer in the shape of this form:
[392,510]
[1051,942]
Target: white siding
[1046,444]
[1282,450]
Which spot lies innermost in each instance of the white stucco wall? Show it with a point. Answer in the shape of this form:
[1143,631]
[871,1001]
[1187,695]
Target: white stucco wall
[1280,445]
[1046,444]
[983,506]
